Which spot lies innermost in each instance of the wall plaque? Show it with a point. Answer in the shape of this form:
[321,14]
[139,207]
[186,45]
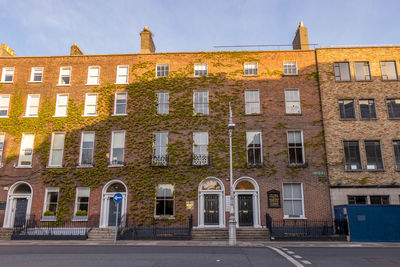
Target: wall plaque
[189,204]
[274,199]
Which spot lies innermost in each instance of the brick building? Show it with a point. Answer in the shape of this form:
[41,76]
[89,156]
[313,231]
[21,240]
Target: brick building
[153,126]
[360,96]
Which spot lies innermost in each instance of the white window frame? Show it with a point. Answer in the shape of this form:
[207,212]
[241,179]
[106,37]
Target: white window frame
[302,147]
[155,161]
[58,106]
[163,71]
[201,103]
[248,133]
[2,145]
[119,74]
[61,76]
[81,149]
[51,164]
[93,76]
[163,198]
[3,74]
[29,105]
[112,164]
[21,151]
[50,190]
[85,192]
[162,104]
[5,96]
[287,216]
[115,103]
[35,70]
[248,103]
[201,67]
[86,114]
[291,103]
[288,67]
[247,65]
[202,158]
[384,70]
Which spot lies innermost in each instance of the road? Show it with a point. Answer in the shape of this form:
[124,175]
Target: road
[65,255]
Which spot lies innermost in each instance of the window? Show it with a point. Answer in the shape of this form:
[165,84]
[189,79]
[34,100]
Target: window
[357,199]
[122,74]
[200,69]
[51,202]
[352,155]
[293,200]
[292,101]
[93,75]
[200,102]
[342,71]
[346,109]
[160,147]
[2,137]
[65,76]
[120,103]
[32,106]
[361,71]
[373,155]
[117,148]
[367,109]
[251,68]
[162,103]
[393,107]
[162,70]
[165,200]
[200,148]
[4,104]
[57,150]
[36,75]
[389,70]
[61,105]
[82,202]
[290,67]
[396,148]
[91,105]
[252,99]
[254,148]
[26,151]
[379,200]
[7,76]
[295,147]
[87,146]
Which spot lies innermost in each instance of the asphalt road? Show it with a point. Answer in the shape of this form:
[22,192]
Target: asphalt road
[195,256]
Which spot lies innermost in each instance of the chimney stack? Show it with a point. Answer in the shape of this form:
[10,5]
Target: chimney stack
[300,41]
[5,51]
[75,50]
[146,44]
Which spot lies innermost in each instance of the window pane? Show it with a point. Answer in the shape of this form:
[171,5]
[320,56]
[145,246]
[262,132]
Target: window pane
[373,155]
[396,148]
[352,155]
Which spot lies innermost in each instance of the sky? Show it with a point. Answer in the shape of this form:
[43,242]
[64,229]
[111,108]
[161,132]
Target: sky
[50,27]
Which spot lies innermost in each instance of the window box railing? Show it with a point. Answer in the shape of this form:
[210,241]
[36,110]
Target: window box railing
[159,160]
[298,165]
[255,164]
[200,160]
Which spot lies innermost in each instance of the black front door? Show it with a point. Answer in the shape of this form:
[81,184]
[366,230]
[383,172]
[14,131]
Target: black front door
[211,209]
[20,212]
[245,210]
[112,213]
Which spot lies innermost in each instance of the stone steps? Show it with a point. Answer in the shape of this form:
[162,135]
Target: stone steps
[245,234]
[99,234]
[5,233]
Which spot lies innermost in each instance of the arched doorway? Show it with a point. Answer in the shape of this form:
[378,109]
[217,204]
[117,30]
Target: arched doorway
[211,203]
[19,202]
[247,203]
[108,213]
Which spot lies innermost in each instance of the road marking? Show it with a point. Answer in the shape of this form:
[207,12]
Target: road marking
[285,249]
[305,262]
[290,252]
[297,256]
[286,256]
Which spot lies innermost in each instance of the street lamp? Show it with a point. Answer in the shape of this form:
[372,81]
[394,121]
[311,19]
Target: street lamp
[232,220]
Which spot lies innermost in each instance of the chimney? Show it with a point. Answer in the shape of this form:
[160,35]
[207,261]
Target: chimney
[300,41]
[75,50]
[5,51]
[146,44]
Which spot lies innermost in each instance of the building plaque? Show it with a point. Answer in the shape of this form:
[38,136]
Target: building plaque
[274,199]
[189,204]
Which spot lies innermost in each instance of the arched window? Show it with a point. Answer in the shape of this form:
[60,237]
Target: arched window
[245,185]
[210,184]
[116,187]
[22,189]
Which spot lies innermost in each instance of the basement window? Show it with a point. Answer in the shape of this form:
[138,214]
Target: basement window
[357,199]
[379,200]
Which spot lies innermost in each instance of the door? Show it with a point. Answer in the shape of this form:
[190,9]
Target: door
[211,209]
[20,212]
[112,212]
[245,203]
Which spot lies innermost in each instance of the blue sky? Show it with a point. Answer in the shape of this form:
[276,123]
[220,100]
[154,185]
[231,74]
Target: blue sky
[50,27]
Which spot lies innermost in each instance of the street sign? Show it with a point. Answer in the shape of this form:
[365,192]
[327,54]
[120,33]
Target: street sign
[318,173]
[117,197]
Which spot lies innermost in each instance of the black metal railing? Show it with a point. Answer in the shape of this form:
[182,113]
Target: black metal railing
[159,160]
[200,159]
[158,229]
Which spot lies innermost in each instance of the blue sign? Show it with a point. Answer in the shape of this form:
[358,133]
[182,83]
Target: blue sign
[117,197]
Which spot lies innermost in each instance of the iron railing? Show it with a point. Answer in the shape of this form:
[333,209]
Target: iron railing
[200,160]
[159,160]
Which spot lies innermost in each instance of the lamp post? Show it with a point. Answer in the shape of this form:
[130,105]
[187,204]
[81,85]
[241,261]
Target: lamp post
[232,220]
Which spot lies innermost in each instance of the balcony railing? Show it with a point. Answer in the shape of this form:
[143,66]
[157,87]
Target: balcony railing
[200,160]
[159,160]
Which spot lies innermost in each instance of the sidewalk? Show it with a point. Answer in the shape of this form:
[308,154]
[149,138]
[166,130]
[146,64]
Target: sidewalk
[195,243]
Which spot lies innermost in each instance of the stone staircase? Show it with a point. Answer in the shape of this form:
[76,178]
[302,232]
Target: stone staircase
[101,234]
[221,234]
[5,233]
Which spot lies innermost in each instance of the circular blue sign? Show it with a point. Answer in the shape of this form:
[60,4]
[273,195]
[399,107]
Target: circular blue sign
[117,197]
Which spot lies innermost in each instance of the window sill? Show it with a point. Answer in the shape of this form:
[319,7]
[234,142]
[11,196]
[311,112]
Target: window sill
[358,170]
[394,119]
[121,83]
[63,84]
[364,80]
[393,80]
[303,165]
[48,219]
[200,115]
[352,119]
[251,165]
[116,115]
[253,114]
[23,167]
[90,115]
[296,74]
[80,219]
[251,75]
[169,217]
[371,119]
[92,84]
[30,116]
[3,117]
[6,82]
[54,167]
[199,76]
[84,166]
[293,114]
[35,81]
[63,116]
[349,81]
[115,165]
[301,217]
[381,170]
